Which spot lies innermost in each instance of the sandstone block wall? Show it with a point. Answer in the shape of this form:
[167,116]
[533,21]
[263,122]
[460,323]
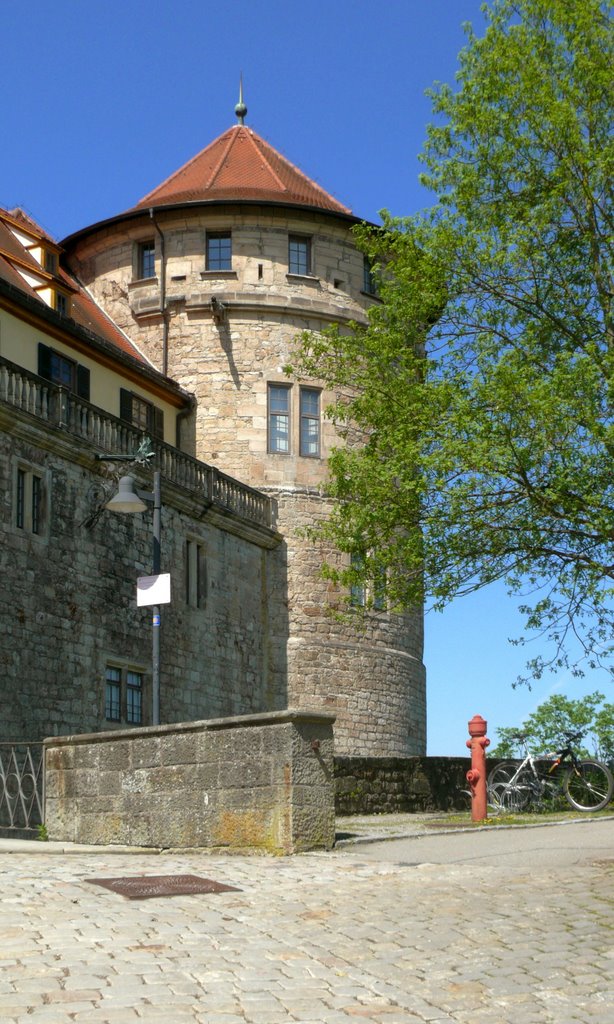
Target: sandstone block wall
[261,783]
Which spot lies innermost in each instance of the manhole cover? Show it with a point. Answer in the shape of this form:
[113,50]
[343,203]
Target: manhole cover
[142,887]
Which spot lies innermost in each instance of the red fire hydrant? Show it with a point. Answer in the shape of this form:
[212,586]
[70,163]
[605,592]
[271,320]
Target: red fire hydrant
[476,776]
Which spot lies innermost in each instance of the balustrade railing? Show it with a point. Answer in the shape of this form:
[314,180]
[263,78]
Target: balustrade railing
[21,786]
[61,408]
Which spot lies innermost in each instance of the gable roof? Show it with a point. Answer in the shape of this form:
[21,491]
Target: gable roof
[19,268]
[240,165]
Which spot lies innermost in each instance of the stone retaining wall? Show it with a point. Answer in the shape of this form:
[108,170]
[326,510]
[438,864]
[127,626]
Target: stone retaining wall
[388,785]
[251,783]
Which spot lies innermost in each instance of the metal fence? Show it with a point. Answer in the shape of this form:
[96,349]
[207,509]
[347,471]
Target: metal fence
[21,786]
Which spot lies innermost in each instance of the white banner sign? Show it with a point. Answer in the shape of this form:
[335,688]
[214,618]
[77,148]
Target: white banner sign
[153,589]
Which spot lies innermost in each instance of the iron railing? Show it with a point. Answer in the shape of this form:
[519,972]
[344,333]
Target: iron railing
[59,407]
[21,786]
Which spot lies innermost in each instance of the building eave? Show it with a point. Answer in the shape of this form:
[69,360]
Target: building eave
[143,213]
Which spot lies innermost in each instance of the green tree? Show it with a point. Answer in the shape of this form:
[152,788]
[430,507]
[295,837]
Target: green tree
[476,403]
[545,729]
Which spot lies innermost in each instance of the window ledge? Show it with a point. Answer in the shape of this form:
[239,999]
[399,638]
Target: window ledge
[303,277]
[227,274]
[371,295]
[139,282]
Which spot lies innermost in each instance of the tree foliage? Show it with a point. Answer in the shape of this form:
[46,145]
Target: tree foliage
[476,403]
[545,729]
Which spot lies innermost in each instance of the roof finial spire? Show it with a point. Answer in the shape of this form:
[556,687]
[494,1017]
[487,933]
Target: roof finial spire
[241,109]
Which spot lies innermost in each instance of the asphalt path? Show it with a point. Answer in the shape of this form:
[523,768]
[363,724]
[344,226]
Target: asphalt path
[557,845]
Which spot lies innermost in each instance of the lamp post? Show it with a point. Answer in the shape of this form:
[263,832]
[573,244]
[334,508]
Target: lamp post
[129,500]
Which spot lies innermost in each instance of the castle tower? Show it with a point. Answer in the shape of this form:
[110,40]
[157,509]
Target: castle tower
[213,274]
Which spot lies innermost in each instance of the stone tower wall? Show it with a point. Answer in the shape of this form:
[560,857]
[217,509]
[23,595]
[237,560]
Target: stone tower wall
[372,678]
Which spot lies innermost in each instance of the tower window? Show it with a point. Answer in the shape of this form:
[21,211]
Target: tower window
[369,284]
[358,593]
[299,255]
[279,418]
[219,250]
[310,422]
[146,259]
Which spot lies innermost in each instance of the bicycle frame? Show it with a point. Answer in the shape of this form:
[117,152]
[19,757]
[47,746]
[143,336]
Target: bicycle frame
[519,791]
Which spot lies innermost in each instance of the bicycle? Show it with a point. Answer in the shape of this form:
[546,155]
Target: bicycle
[587,785]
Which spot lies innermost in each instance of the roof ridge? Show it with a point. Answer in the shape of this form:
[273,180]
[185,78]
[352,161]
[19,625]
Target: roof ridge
[310,181]
[252,135]
[225,152]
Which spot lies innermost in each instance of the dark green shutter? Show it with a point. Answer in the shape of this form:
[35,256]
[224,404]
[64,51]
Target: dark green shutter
[158,423]
[44,361]
[125,405]
[83,382]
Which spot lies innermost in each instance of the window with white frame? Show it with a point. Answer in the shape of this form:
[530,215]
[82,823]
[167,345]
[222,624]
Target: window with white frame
[309,443]
[146,259]
[369,284]
[279,418]
[363,593]
[358,593]
[219,250]
[124,694]
[299,255]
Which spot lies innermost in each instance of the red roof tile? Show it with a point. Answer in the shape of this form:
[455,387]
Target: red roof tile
[240,165]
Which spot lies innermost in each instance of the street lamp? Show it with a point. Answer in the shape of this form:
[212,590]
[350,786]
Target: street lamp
[129,500]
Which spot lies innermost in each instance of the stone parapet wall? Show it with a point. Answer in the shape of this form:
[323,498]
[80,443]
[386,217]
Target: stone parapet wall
[252,783]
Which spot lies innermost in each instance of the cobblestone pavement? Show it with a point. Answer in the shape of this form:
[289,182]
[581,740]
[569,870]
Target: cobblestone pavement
[321,938]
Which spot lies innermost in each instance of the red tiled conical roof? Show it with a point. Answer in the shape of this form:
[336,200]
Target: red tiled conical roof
[240,165]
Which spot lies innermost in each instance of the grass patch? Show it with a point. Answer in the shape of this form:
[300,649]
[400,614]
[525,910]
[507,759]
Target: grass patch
[462,819]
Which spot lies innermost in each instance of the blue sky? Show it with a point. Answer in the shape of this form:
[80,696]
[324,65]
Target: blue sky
[103,100]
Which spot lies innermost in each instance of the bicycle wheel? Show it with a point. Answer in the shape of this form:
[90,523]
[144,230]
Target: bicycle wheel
[501,775]
[588,786]
[509,788]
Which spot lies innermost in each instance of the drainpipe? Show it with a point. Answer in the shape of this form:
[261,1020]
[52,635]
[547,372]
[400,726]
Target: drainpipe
[164,310]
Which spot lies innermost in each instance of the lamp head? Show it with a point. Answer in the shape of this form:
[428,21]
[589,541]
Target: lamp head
[126,499]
